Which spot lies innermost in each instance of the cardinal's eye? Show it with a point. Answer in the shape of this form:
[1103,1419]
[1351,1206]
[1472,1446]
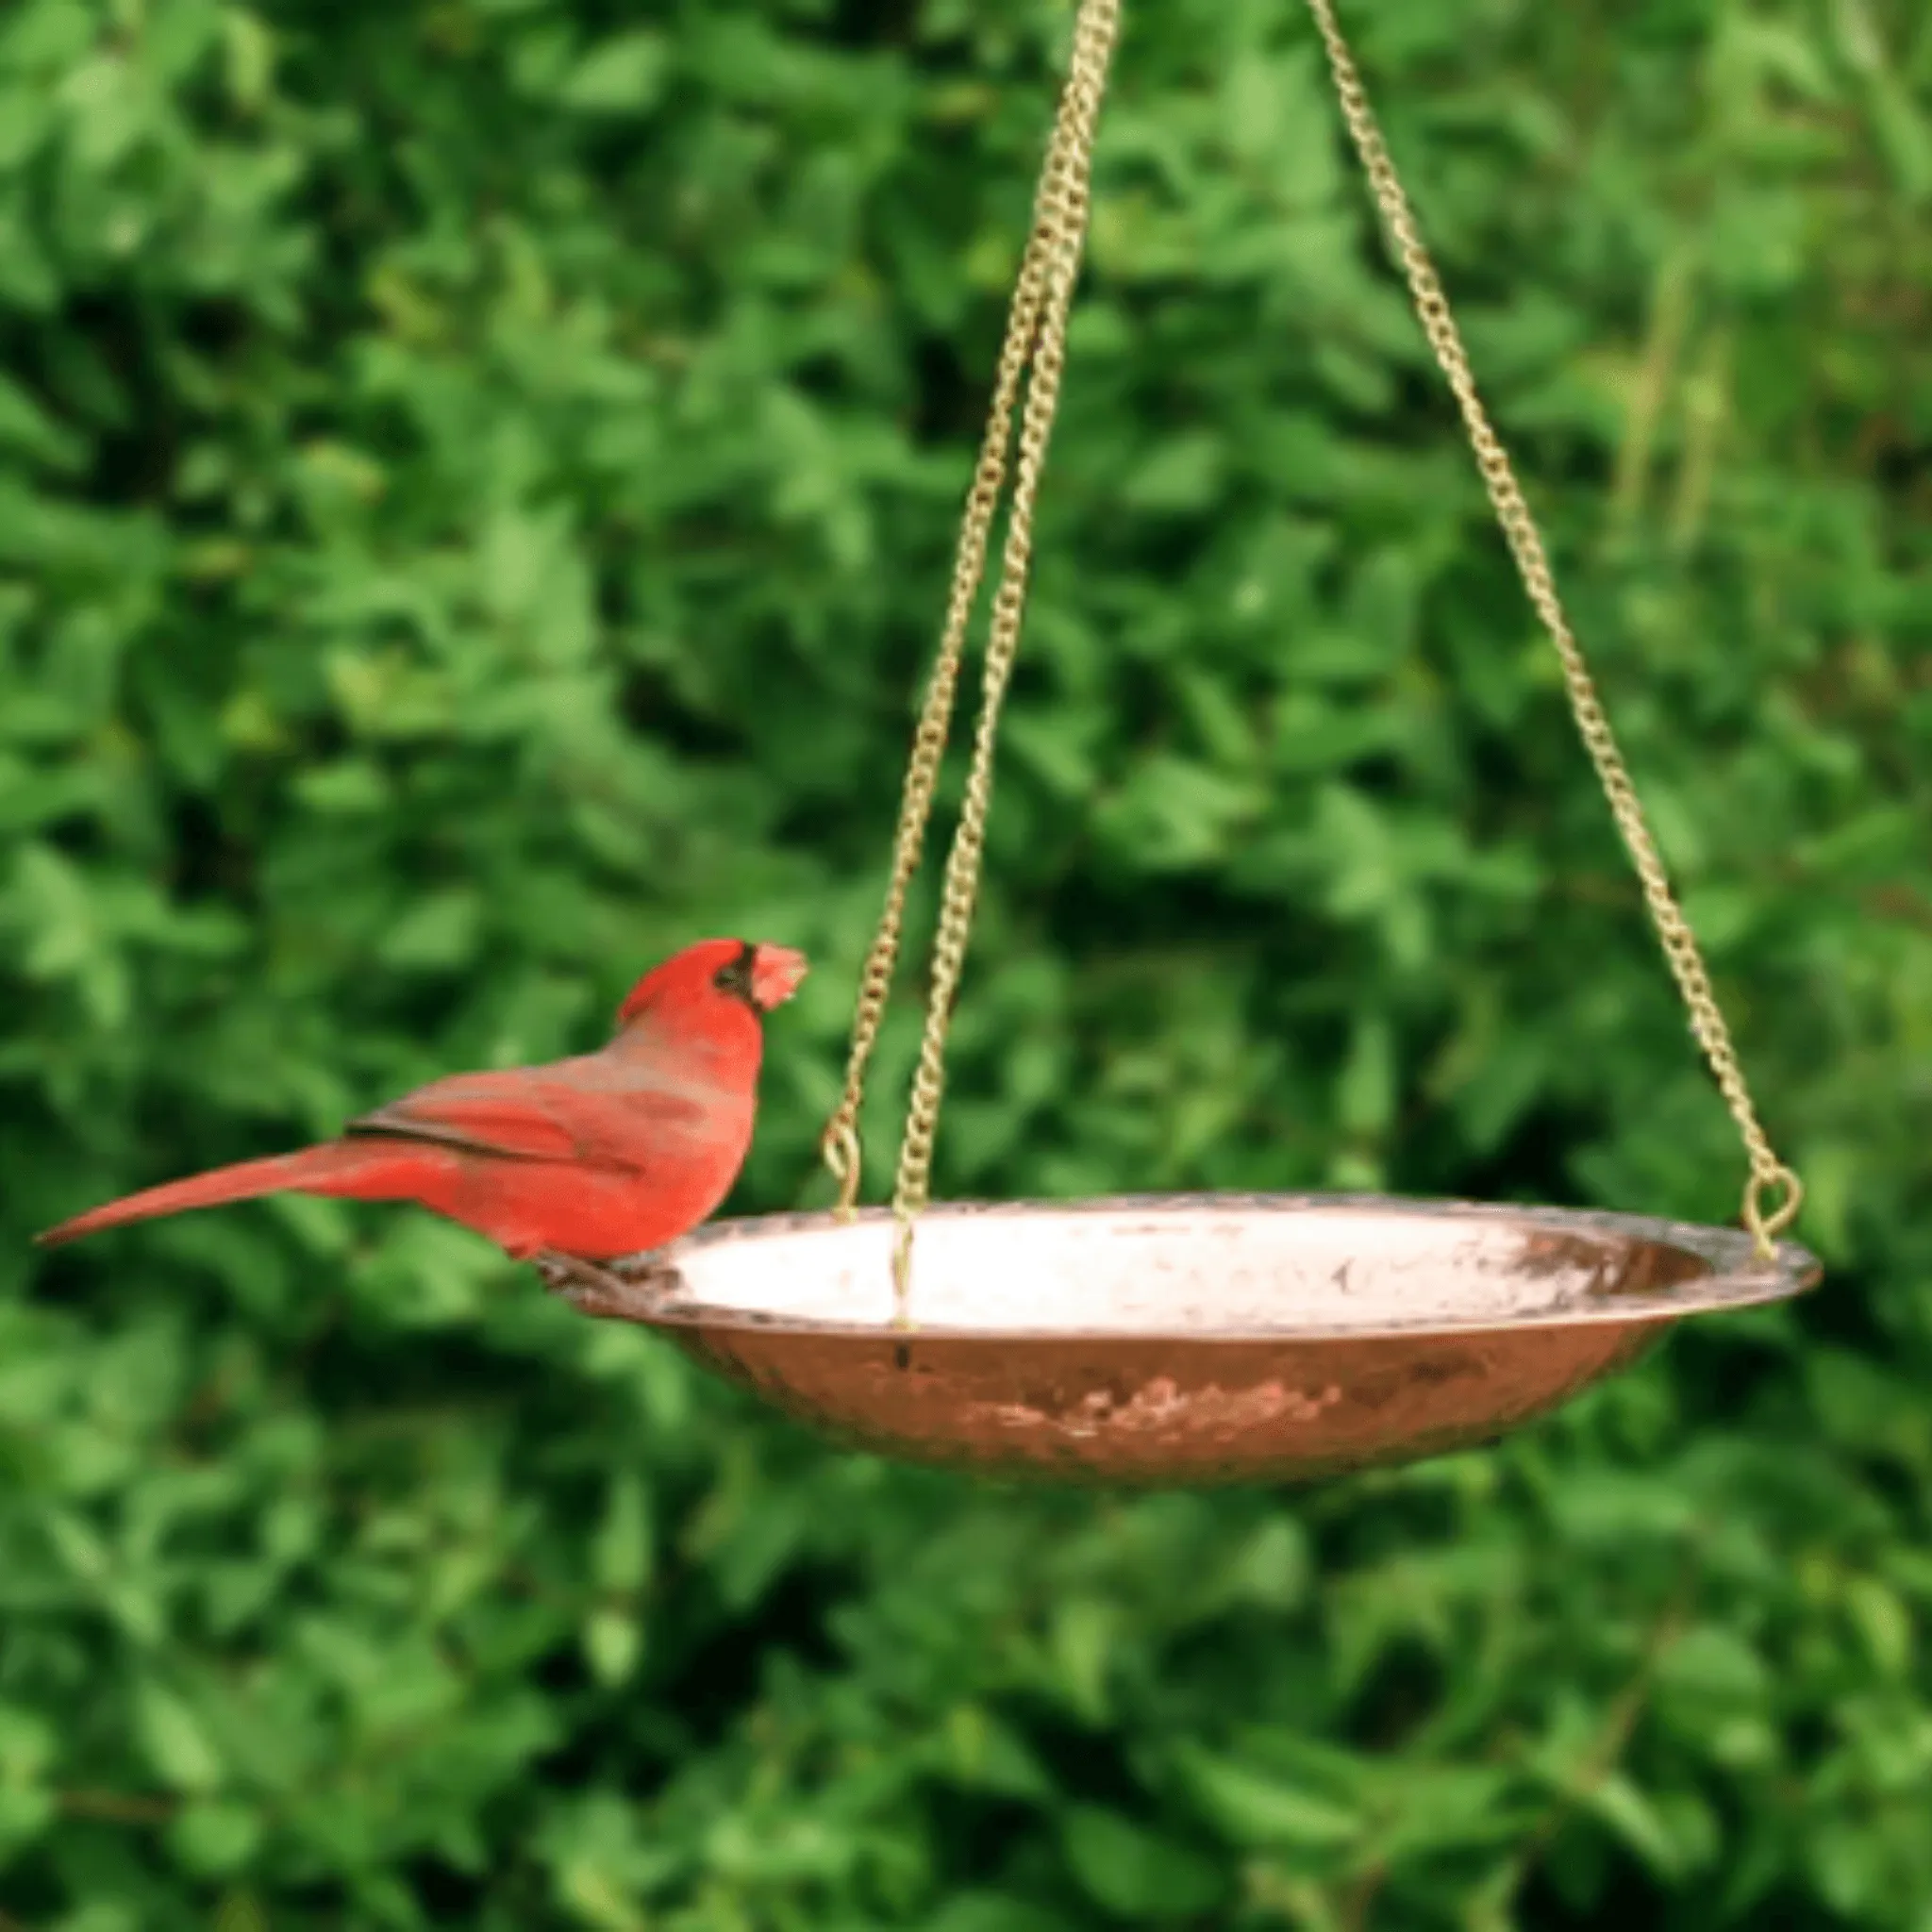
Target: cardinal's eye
[735,978]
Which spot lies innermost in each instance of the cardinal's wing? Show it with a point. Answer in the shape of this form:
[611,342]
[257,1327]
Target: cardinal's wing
[530,1116]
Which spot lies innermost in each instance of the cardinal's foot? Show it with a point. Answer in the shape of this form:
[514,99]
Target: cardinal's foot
[648,1266]
[632,1297]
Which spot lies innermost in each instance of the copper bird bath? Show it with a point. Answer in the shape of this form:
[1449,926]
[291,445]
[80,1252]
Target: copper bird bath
[1191,1339]
[1194,1339]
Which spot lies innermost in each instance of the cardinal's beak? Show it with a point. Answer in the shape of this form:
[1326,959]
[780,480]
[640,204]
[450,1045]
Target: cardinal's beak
[774,976]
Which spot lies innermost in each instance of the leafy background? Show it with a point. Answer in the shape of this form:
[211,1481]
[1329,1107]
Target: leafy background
[476,481]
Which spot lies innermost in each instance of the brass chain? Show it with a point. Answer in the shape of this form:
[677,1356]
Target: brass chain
[839,1144]
[1064,195]
[1770,1178]
[1034,350]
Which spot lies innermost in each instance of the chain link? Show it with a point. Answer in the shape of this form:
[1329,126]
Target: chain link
[1064,202]
[1773,1192]
[1034,353]
[839,1144]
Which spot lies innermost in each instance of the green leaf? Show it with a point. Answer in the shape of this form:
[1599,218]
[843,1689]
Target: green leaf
[27,428]
[623,76]
[621,1556]
[25,1812]
[177,1744]
[1365,1101]
[215,1838]
[1137,1873]
[1636,1820]
[1252,1809]
[996,1911]
[613,1641]
[1082,1638]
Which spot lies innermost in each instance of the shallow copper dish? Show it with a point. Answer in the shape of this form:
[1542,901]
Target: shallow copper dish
[1191,1339]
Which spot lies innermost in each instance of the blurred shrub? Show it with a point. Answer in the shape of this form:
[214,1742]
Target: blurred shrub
[475,489]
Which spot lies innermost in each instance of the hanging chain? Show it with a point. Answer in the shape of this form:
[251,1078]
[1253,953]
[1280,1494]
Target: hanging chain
[839,1144]
[1035,351]
[1773,1194]
[1064,197]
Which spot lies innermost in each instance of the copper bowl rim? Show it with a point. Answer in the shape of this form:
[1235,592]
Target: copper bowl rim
[1732,1276]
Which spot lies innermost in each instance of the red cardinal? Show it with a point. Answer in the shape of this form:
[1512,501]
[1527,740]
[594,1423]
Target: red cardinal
[581,1160]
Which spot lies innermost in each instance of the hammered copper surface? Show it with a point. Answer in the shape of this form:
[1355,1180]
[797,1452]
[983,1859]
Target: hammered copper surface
[1194,1338]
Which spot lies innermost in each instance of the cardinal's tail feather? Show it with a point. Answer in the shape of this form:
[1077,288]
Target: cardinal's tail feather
[373,1170]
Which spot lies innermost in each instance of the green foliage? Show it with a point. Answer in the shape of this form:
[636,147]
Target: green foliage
[476,492]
